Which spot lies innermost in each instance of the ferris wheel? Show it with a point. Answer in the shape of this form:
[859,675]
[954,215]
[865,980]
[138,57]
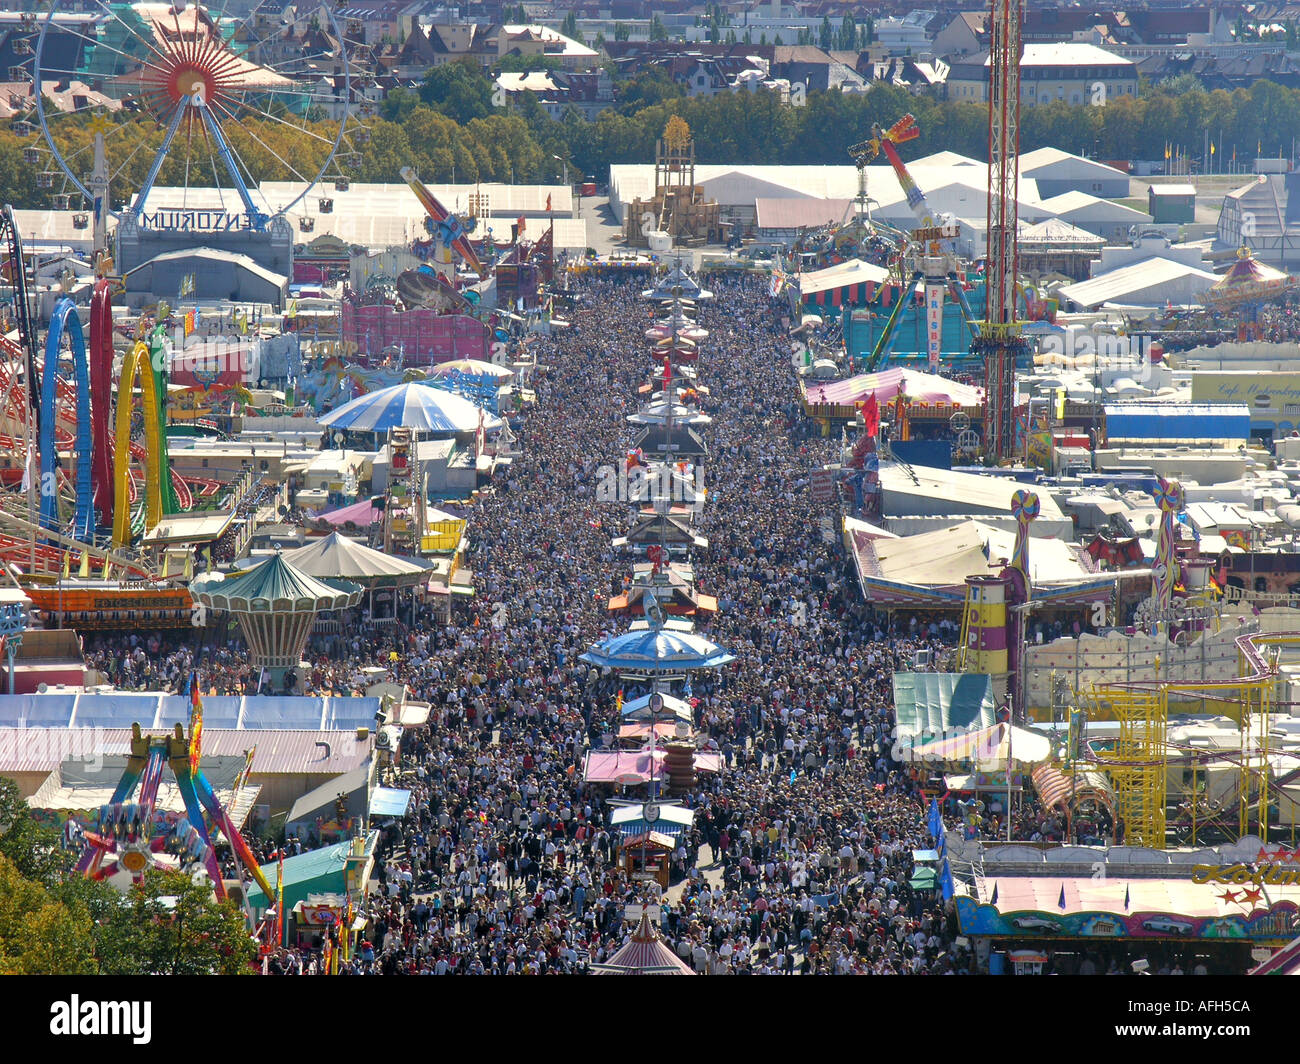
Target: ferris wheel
[243,114]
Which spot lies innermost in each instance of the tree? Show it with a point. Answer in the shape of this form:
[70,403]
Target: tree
[171,925]
[569,27]
[621,32]
[460,90]
[32,848]
[826,37]
[39,935]
[398,104]
[848,35]
[658,31]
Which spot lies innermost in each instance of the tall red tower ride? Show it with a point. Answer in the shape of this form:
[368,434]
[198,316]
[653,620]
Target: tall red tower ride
[1000,342]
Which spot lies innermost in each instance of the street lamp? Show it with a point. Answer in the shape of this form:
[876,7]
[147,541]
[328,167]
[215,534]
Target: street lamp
[564,164]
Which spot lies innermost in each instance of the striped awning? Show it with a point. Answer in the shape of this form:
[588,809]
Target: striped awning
[1059,789]
[985,745]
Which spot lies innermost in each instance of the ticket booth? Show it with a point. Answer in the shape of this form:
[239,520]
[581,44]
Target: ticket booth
[647,857]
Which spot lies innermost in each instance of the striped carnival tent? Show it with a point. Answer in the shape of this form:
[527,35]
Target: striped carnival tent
[838,398]
[992,745]
[850,283]
[1062,790]
[644,954]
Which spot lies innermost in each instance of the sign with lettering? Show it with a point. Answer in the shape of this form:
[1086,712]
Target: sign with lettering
[188,220]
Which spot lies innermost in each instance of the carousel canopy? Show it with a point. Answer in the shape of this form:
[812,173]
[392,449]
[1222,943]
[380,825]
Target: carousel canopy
[886,385]
[336,557]
[473,367]
[413,406]
[275,586]
[657,650]
[644,954]
[1248,280]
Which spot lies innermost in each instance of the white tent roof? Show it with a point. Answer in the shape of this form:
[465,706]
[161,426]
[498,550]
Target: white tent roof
[1151,282]
[946,557]
[337,557]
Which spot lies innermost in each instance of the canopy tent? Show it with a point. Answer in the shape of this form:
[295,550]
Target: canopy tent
[672,820]
[886,385]
[411,405]
[631,767]
[361,514]
[473,367]
[988,746]
[850,283]
[657,650]
[644,954]
[1063,790]
[639,709]
[336,557]
[936,703]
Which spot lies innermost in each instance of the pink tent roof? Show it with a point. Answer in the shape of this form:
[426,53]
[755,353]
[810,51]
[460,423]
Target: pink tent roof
[924,387]
[362,514]
[644,954]
[629,766]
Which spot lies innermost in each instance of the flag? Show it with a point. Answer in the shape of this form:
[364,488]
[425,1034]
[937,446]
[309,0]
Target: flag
[871,416]
[1060,902]
[1127,901]
[668,376]
[520,224]
[1211,147]
[618,703]
[187,285]
[932,820]
[196,723]
[1166,150]
[548,205]
[993,898]
[945,881]
[292,312]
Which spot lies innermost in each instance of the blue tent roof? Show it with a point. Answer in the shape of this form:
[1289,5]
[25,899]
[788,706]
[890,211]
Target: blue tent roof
[411,405]
[657,649]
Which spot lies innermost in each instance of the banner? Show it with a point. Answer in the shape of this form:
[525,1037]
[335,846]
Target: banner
[933,323]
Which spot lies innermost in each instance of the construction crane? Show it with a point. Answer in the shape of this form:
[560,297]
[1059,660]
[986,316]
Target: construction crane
[928,256]
[1001,343]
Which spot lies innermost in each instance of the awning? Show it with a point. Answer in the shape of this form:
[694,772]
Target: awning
[389,801]
[987,745]
[1061,790]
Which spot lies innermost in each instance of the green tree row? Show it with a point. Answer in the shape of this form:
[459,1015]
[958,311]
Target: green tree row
[456,126]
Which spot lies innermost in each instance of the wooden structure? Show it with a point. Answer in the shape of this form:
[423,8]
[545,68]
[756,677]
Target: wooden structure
[679,207]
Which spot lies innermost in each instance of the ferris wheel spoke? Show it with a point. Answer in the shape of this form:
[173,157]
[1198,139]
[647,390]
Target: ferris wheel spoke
[266,147]
[81,75]
[299,129]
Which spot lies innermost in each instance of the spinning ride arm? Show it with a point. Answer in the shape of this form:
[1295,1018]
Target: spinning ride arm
[449,227]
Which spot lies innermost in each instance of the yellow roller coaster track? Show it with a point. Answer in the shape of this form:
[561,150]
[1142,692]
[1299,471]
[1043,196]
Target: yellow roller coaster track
[1139,762]
[137,362]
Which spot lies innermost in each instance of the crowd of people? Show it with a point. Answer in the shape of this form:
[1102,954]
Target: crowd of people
[799,859]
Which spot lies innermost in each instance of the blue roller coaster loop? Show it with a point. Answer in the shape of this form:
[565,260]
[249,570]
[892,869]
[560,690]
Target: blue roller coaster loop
[65,322]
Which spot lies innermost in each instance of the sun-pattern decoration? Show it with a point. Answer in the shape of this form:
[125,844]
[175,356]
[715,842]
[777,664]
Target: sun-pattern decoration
[226,84]
[127,845]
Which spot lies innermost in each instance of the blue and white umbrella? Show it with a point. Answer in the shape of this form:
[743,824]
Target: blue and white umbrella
[411,405]
[657,650]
